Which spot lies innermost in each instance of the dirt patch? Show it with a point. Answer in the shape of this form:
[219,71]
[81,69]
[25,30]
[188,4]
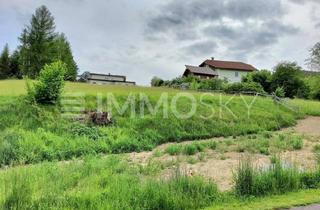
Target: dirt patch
[309,126]
[219,166]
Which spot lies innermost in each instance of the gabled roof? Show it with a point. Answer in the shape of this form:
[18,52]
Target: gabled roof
[229,65]
[201,70]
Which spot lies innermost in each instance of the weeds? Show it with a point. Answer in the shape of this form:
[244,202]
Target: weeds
[276,179]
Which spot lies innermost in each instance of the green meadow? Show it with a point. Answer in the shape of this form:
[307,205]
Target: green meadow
[32,134]
[50,161]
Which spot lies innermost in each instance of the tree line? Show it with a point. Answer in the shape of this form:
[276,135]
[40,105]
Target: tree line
[39,44]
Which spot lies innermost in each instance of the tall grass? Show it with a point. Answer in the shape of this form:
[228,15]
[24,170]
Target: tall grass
[100,184]
[279,178]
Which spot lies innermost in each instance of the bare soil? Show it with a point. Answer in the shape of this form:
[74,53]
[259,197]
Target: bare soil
[309,126]
[219,166]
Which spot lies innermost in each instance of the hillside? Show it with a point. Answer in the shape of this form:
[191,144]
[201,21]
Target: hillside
[91,176]
[33,134]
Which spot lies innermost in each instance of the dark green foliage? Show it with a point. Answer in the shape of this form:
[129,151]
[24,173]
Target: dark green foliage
[244,87]
[212,84]
[277,179]
[314,83]
[279,92]
[37,43]
[289,76]
[81,130]
[41,45]
[263,77]
[15,71]
[48,88]
[5,63]
[64,54]
[190,82]
[156,82]
[310,180]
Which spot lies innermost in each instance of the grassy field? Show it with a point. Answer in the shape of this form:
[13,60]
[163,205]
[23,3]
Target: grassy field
[33,134]
[87,179]
[113,183]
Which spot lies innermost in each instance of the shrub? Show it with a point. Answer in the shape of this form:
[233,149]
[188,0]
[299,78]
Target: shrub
[244,87]
[289,76]
[279,92]
[48,88]
[263,77]
[212,84]
[78,130]
[156,82]
[310,180]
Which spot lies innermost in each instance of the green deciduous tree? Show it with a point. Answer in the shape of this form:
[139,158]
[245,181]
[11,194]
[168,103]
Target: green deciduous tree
[263,77]
[314,60]
[5,63]
[64,53]
[48,88]
[289,76]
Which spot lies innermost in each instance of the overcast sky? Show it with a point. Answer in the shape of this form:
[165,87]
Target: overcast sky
[146,38]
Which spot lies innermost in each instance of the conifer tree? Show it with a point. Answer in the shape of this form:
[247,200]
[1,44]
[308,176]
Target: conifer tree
[5,63]
[14,65]
[64,53]
[37,42]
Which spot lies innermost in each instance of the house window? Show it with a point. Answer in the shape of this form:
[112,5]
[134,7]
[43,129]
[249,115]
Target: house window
[236,74]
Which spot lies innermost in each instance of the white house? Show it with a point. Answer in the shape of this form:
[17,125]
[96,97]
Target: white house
[105,79]
[229,70]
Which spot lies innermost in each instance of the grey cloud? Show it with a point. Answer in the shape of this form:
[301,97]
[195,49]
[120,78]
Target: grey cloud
[249,37]
[180,13]
[238,25]
[305,1]
[201,48]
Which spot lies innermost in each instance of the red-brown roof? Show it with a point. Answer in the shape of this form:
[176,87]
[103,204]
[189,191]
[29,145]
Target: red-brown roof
[201,70]
[229,65]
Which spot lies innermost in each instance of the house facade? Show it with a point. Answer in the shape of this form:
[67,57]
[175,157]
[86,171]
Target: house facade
[105,79]
[227,70]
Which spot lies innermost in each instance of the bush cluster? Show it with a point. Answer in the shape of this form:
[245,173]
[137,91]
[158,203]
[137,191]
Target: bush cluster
[288,80]
[48,88]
